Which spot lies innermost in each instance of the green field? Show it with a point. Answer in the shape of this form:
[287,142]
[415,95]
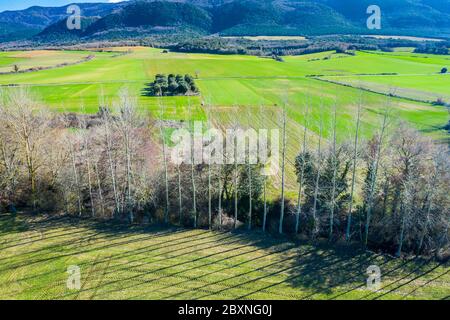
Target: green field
[39,58]
[248,81]
[250,91]
[135,262]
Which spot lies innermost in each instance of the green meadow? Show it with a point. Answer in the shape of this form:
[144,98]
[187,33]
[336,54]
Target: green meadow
[137,262]
[417,87]
[39,58]
[249,91]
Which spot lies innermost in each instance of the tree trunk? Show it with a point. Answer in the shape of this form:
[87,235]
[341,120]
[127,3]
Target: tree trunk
[180,199]
[302,175]
[249,195]
[333,191]
[88,163]
[100,192]
[283,168]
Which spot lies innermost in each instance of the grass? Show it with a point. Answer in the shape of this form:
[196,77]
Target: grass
[136,262]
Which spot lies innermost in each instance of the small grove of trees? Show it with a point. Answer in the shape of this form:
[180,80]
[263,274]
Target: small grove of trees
[108,166]
[444,70]
[388,192]
[51,163]
[172,85]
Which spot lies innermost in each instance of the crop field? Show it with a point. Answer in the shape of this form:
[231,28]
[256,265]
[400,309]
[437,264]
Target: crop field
[418,87]
[123,262]
[39,58]
[249,91]
[232,81]
[271,38]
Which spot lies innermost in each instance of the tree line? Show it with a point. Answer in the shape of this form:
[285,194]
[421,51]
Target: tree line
[389,192]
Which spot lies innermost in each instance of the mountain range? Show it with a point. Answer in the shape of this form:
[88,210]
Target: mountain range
[228,17]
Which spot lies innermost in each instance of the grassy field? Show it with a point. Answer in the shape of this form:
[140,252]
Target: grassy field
[136,262]
[250,91]
[38,58]
[227,81]
[270,38]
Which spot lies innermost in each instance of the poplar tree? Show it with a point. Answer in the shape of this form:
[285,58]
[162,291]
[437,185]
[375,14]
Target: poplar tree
[283,172]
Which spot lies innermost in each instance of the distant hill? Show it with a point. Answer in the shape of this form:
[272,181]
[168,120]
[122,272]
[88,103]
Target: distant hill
[59,31]
[25,23]
[232,17]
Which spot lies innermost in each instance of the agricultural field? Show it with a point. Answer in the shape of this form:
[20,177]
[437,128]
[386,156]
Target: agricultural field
[250,91]
[149,152]
[138,262]
[245,81]
[38,58]
[417,87]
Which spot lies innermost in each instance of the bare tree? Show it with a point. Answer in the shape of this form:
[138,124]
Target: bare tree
[100,191]
[335,169]
[265,205]
[126,123]
[87,161]
[180,196]
[220,196]
[76,177]
[236,174]
[27,120]
[9,166]
[194,189]
[209,182]
[166,171]
[107,120]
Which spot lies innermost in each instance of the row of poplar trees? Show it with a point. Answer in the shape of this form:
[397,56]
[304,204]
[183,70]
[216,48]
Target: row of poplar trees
[390,191]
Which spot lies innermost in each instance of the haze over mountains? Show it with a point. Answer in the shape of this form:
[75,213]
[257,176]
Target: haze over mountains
[229,17]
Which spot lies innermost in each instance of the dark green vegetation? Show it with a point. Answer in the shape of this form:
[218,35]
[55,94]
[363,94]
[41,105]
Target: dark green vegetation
[433,48]
[26,23]
[136,262]
[171,85]
[249,17]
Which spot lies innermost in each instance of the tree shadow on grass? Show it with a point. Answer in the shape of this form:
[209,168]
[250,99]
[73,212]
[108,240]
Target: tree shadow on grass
[10,224]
